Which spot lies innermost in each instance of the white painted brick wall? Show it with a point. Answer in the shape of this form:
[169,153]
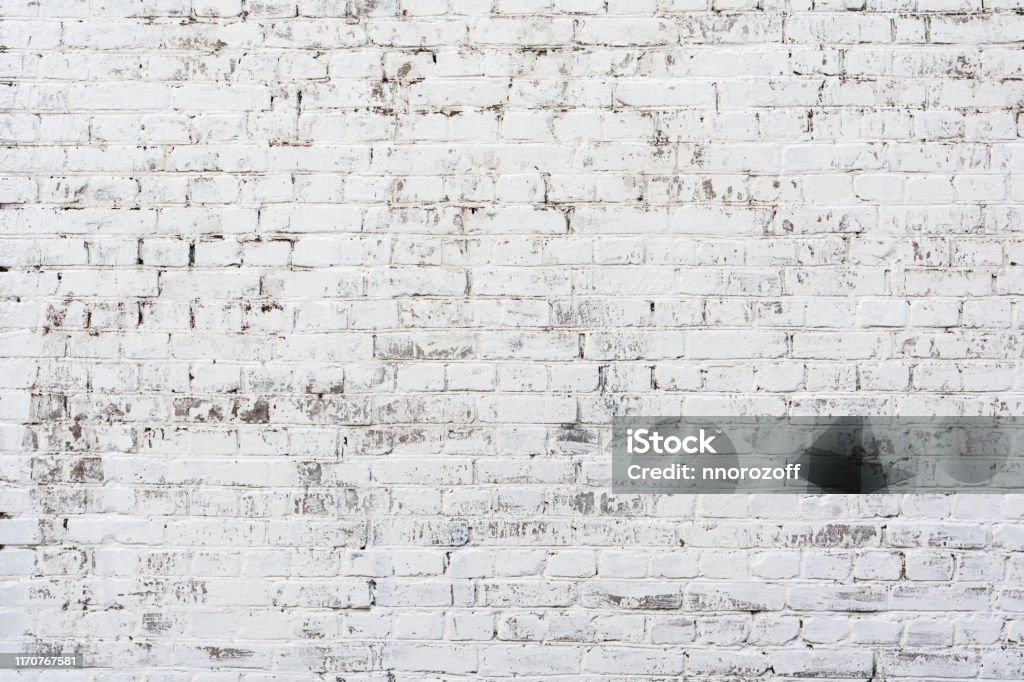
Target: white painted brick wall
[314,313]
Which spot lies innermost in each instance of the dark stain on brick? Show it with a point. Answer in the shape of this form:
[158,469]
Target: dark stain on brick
[87,470]
[412,437]
[655,597]
[155,623]
[54,317]
[331,389]
[310,473]
[308,632]
[46,470]
[316,504]
[575,434]
[838,534]
[226,653]
[189,592]
[49,407]
[197,409]
[583,503]
[259,413]
[115,412]
[611,505]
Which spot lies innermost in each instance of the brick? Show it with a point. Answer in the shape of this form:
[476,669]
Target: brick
[622,660]
[928,664]
[838,664]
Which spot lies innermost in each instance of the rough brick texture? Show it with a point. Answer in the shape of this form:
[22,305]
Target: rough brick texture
[315,313]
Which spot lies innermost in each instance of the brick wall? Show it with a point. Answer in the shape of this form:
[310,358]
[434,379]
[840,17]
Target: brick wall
[314,316]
